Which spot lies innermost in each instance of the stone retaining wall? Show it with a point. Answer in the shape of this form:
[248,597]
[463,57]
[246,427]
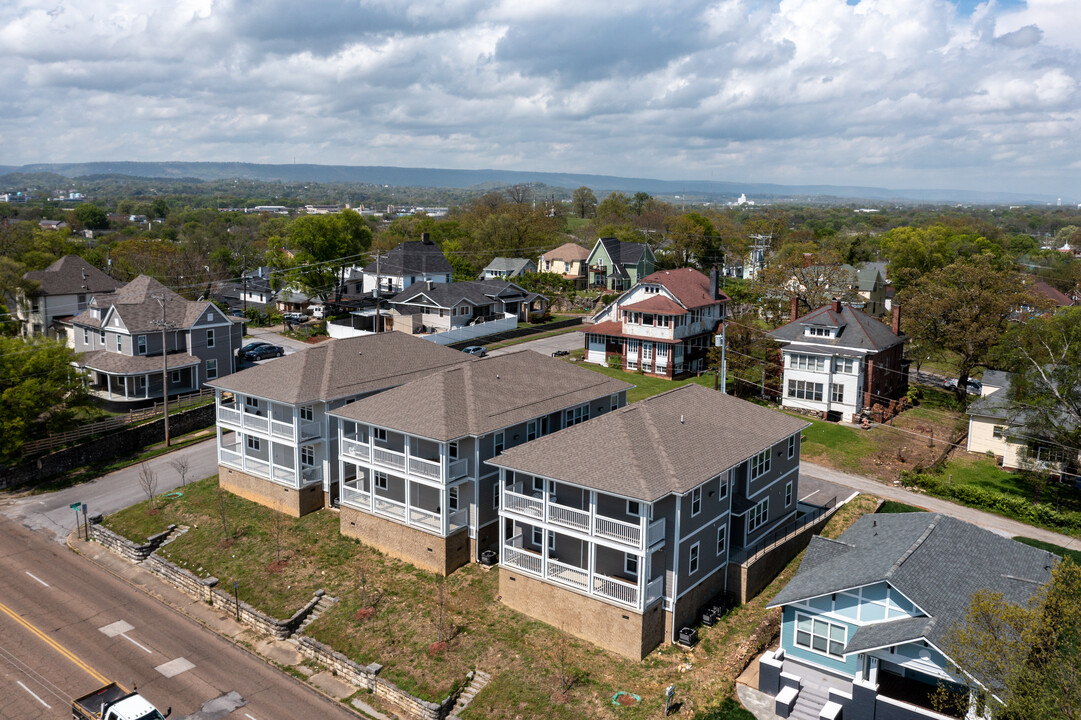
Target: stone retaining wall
[126,548]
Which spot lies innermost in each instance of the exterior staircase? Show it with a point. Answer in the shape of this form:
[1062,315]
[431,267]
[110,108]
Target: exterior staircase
[809,702]
[479,680]
[324,604]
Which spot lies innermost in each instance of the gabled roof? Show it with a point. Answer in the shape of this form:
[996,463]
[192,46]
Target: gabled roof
[1039,288]
[341,368]
[512,266]
[669,443]
[477,292]
[622,253]
[857,330]
[139,311]
[657,304]
[72,275]
[934,560]
[688,286]
[482,397]
[413,257]
[567,251]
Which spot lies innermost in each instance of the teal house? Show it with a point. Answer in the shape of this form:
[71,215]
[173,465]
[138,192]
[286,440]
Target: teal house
[617,265]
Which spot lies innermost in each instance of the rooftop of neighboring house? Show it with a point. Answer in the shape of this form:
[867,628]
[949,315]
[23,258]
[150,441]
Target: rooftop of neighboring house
[475,292]
[1041,290]
[139,310]
[72,275]
[864,278]
[482,397]
[511,266]
[622,253]
[855,329]
[668,443]
[935,561]
[567,251]
[342,368]
[413,257]
[689,286]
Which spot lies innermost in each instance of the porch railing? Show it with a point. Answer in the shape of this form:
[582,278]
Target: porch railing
[388,457]
[568,517]
[426,519]
[569,574]
[352,493]
[523,559]
[390,508]
[457,469]
[654,589]
[617,530]
[615,589]
[425,468]
[578,519]
[524,504]
[282,429]
[355,449]
[458,519]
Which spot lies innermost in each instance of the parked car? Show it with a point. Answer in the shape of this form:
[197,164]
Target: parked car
[242,353]
[298,318]
[264,352]
[236,313]
[561,353]
[975,387]
[476,350]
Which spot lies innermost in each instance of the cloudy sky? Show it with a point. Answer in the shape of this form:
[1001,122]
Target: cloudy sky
[894,93]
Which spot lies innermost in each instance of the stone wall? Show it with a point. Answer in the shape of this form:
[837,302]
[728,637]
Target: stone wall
[106,448]
[126,548]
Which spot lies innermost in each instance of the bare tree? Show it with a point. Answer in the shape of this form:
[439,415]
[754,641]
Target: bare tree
[221,509]
[148,481]
[279,520]
[182,465]
[442,601]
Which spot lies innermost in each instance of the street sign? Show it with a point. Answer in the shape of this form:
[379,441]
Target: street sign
[76,506]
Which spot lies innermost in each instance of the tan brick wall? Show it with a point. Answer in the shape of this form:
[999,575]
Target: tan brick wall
[688,608]
[291,502]
[618,630]
[428,552]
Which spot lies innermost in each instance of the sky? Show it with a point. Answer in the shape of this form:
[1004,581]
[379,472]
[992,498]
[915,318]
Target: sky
[891,93]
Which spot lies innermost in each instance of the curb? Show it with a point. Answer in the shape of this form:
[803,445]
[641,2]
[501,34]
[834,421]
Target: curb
[266,661]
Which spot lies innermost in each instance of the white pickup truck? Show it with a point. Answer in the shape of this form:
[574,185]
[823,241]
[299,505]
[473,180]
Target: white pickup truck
[114,702]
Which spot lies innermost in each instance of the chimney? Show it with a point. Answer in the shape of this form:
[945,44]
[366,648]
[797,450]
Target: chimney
[795,309]
[896,325]
[836,304]
[714,283]
[425,238]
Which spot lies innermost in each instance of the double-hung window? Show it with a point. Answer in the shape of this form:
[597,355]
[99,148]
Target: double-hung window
[692,562]
[722,539]
[253,443]
[696,501]
[820,635]
[531,430]
[788,493]
[452,498]
[307,413]
[576,415]
[791,447]
[142,345]
[381,480]
[630,565]
[499,443]
[837,393]
[757,515]
[210,338]
[760,464]
[119,342]
[307,456]
[211,369]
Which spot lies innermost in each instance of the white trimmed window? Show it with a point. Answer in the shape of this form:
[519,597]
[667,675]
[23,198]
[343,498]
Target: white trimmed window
[86,336]
[119,343]
[307,413]
[174,377]
[692,562]
[788,493]
[452,499]
[807,362]
[630,564]
[211,369]
[379,434]
[531,430]
[820,636]
[253,442]
[757,515]
[696,501]
[141,345]
[307,456]
[845,365]
[577,415]
[381,480]
[499,443]
[634,508]
[210,338]
[251,401]
[452,449]
[999,432]
[837,393]
[722,539]
[722,486]
[805,390]
[791,447]
[760,464]
[615,402]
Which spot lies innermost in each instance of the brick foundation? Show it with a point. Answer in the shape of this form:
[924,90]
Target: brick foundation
[616,629]
[689,607]
[416,547]
[270,494]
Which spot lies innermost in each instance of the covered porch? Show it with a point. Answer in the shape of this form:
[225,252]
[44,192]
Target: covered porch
[126,379]
[431,507]
[281,462]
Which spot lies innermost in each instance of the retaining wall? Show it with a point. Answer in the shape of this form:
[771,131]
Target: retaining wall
[126,548]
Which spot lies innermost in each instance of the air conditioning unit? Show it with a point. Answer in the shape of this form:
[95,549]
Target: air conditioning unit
[688,637]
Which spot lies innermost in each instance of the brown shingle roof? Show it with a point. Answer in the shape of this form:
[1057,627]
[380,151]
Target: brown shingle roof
[341,368]
[668,443]
[72,275]
[567,251]
[483,396]
[657,304]
[111,362]
[688,286]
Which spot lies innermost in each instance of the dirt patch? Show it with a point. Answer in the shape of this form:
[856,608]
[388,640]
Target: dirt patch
[226,543]
[276,567]
[627,700]
[364,613]
[436,648]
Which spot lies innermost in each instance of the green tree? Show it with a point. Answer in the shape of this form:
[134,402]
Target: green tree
[39,391]
[639,201]
[615,210]
[963,308]
[584,202]
[810,274]
[1023,660]
[694,242]
[323,245]
[91,217]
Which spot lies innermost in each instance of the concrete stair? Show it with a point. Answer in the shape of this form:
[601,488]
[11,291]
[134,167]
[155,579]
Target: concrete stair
[809,702]
[479,680]
[324,604]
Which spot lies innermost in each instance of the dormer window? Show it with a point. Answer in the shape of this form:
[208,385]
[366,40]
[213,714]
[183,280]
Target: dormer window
[820,331]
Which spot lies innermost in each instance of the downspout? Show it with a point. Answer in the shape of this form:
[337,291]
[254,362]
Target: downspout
[675,568]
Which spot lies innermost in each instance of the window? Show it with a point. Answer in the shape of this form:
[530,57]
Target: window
[142,345]
[837,393]
[805,390]
[381,480]
[174,377]
[757,515]
[788,493]
[307,413]
[253,442]
[119,343]
[307,455]
[379,434]
[495,497]
[577,415]
[634,508]
[538,484]
[807,362]
[845,365]
[211,369]
[630,564]
[452,499]
[86,336]
[538,535]
[696,501]
[210,317]
[615,402]
[210,338]
[820,332]
[692,562]
[722,486]
[498,444]
[820,636]
[999,432]
[722,539]
[791,447]
[531,430]
[760,464]
[452,449]
[251,402]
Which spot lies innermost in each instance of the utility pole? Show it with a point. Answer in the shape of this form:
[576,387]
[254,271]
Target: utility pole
[164,325]
[378,282]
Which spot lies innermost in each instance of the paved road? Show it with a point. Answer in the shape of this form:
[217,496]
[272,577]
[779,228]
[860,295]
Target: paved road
[117,490]
[545,346]
[989,521]
[114,631]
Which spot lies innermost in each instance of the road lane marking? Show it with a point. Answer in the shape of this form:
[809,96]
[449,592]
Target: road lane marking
[248,716]
[34,695]
[804,498]
[37,578]
[121,628]
[175,667]
[53,644]
[136,643]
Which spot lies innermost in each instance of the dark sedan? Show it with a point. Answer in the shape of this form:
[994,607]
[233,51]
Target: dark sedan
[242,353]
[264,352]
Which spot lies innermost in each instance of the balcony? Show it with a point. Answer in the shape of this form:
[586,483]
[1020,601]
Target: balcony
[242,420]
[355,449]
[390,458]
[642,535]
[354,495]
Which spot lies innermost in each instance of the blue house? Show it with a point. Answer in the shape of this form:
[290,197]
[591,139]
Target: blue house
[865,617]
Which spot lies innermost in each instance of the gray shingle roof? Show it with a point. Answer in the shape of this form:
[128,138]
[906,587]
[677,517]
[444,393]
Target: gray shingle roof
[72,275]
[341,368]
[997,404]
[668,443]
[482,397]
[138,309]
[858,330]
[622,253]
[936,561]
[112,362]
[412,257]
[513,266]
[477,292]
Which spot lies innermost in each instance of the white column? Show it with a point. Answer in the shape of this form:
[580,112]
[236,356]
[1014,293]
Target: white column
[146,386]
[592,512]
[408,489]
[592,565]
[127,388]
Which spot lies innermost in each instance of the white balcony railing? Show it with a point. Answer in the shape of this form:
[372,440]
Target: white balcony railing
[425,468]
[390,508]
[281,429]
[615,589]
[284,474]
[524,504]
[388,457]
[355,449]
[229,415]
[354,495]
[571,575]
[577,519]
[568,517]
[523,560]
[458,519]
[255,422]
[655,532]
[618,530]
[457,469]
[425,519]
[231,458]
[654,589]
[310,429]
[311,475]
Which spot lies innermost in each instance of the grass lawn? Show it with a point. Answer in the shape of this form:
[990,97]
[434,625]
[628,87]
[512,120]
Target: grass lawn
[644,385]
[985,472]
[1074,555]
[521,654]
[892,506]
[836,445]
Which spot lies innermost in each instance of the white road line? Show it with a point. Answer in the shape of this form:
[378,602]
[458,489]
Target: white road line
[37,578]
[34,695]
[804,498]
[133,642]
[248,716]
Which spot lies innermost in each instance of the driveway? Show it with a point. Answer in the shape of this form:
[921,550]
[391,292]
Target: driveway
[546,346]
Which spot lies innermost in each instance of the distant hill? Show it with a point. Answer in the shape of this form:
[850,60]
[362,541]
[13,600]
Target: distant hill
[445,178]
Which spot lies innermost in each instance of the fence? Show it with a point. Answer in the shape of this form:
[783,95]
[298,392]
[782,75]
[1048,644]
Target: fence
[752,553]
[36,447]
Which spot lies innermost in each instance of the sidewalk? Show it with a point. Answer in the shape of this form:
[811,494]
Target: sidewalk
[989,521]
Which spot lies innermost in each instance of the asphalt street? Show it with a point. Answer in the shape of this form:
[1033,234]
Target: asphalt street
[66,625]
